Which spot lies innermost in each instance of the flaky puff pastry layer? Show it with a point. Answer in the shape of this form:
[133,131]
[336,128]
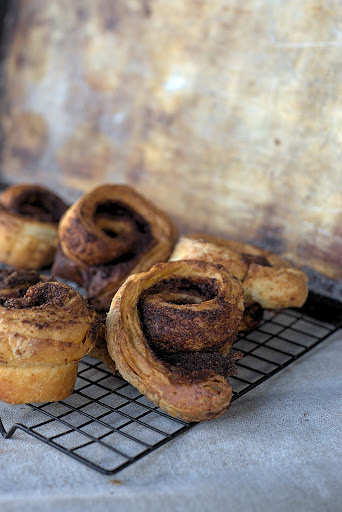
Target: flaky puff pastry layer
[108,234]
[267,279]
[100,350]
[29,216]
[192,395]
[43,336]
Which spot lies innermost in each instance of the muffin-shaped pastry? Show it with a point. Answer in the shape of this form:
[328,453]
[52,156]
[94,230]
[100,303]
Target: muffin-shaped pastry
[29,217]
[268,280]
[43,335]
[108,234]
[169,332]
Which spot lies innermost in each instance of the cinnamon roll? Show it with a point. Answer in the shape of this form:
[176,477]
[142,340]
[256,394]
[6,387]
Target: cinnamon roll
[45,330]
[29,216]
[108,234]
[170,331]
[14,283]
[268,280]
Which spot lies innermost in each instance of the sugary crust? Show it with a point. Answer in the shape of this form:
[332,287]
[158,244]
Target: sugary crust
[99,250]
[43,335]
[190,395]
[28,240]
[267,279]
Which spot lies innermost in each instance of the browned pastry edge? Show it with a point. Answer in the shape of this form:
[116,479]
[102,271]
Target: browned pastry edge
[66,268]
[267,279]
[43,335]
[108,234]
[252,317]
[100,350]
[29,216]
[190,394]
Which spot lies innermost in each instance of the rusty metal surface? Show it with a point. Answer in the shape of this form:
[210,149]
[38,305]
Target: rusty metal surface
[225,113]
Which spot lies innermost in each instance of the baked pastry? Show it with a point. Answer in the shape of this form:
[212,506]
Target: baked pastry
[252,317]
[100,351]
[170,331]
[29,216]
[267,279]
[14,283]
[108,234]
[43,335]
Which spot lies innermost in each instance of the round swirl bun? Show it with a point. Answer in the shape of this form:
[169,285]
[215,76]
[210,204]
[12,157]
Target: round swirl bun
[267,279]
[168,331]
[108,234]
[43,336]
[29,216]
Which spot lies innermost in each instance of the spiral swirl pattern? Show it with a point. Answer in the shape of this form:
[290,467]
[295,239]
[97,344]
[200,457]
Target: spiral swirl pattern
[170,330]
[108,234]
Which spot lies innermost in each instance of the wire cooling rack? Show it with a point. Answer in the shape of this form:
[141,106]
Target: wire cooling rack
[108,425]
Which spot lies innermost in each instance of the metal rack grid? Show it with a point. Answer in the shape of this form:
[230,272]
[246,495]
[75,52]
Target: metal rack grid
[107,424]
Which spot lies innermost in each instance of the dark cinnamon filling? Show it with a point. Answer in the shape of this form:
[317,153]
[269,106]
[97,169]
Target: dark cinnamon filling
[142,240]
[182,291]
[11,278]
[118,211]
[95,276]
[170,328]
[183,363]
[36,296]
[14,284]
[258,259]
[254,313]
[43,206]
[111,234]
[189,291]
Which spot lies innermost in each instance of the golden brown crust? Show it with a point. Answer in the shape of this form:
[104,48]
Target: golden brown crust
[29,216]
[195,394]
[267,279]
[27,384]
[43,335]
[108,234]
